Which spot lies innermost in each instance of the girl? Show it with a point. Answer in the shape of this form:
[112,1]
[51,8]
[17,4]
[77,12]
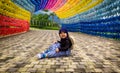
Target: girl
[60,48]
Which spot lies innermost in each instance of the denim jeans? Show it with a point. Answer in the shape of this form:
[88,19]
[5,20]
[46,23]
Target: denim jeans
[51,51]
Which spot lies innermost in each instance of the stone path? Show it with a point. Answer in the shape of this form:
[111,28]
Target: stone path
[90,54]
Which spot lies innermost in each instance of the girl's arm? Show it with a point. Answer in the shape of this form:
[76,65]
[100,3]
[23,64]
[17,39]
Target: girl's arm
[58,41]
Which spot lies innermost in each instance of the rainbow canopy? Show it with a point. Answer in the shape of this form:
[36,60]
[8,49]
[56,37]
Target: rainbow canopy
[62,8]
[70,11]
[88,16]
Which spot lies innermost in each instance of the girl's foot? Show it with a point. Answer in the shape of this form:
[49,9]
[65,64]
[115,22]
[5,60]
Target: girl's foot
[39,56]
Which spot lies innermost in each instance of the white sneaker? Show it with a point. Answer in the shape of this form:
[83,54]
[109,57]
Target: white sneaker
[39,56]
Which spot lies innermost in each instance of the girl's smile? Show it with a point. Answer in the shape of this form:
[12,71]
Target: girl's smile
[63,35]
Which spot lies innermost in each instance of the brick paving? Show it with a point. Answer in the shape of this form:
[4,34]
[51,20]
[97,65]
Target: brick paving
[90,54]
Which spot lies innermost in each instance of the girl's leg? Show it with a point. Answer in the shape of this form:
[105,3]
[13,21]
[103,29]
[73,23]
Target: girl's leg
[50,51]
[53,53]
[52,47]
[58,54]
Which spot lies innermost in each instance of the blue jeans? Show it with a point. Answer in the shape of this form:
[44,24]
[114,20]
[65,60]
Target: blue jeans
[51,51]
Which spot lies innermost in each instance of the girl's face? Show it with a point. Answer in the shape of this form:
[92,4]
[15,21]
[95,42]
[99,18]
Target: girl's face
[63,35]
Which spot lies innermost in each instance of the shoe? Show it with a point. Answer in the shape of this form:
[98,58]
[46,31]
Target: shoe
[39,56]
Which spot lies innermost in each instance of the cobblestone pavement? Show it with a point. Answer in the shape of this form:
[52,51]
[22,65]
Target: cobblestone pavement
[90,54]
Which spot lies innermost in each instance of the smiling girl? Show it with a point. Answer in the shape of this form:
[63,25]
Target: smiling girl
[60,48]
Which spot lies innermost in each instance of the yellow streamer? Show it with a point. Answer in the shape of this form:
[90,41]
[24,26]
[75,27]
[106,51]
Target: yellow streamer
[82,6]
[8,8]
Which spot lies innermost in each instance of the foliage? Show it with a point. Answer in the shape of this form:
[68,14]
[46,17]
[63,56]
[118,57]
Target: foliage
[41,17]
[42,21]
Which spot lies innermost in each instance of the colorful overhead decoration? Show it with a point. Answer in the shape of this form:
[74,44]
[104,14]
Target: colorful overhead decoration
[87,16]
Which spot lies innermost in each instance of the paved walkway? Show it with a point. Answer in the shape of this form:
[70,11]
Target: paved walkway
[90,54]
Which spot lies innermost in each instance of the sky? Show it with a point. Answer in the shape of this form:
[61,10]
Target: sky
[43,12]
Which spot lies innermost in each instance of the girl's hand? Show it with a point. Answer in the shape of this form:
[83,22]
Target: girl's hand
[57,50]
[54,41]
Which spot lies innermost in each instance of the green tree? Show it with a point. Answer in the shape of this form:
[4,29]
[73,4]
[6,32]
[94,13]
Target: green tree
[42,21]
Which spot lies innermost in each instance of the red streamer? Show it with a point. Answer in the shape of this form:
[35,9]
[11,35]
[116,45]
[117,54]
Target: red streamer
[10,26]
